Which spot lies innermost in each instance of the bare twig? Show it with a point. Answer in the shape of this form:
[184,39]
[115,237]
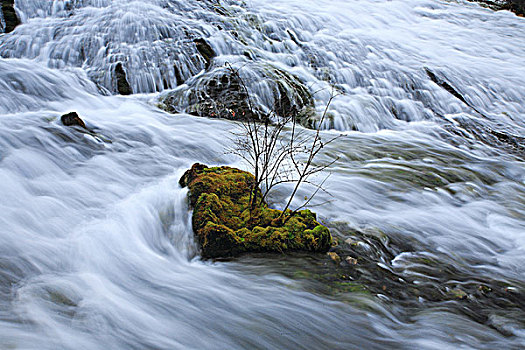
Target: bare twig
[273,160]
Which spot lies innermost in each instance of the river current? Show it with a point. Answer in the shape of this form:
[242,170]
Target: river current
[96,244]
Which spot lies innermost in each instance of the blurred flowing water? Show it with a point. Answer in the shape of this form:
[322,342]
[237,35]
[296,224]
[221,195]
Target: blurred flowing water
[96,246]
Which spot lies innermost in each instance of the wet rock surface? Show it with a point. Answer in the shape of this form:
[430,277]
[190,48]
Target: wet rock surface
[11,19]
[72,119]
[516,6]
[221,93]
[205,50]
[123,86]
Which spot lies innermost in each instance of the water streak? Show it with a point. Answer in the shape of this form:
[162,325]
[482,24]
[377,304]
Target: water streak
[96,245]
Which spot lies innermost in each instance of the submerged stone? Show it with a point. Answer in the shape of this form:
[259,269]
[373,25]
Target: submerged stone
[222,222]
[335,257]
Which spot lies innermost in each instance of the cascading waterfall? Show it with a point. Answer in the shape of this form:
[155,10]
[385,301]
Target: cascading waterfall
[96,245]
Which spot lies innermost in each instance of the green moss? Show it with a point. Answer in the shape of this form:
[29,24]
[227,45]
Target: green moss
[350,287]
[222,222]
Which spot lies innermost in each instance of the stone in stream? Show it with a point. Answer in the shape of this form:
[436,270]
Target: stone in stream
[205,50]
[179,80]
[225,227]
[335,257]
[72,119]
[11,19]
[220,93]
[516,6]
[123,86]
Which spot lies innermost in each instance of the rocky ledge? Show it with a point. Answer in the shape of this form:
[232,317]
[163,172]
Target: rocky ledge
[225,227]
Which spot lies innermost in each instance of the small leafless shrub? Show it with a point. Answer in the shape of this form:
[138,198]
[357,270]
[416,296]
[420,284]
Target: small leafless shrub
[278,151]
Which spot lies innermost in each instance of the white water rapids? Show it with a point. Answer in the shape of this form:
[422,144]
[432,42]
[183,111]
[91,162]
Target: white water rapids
[96,245]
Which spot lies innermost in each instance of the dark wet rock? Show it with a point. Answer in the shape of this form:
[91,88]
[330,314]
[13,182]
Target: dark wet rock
[492,4]
[190,175]
[224,227]
[205,50]
[450,89]
[291,96]
[179,80]
[222,94]
[72,119]
[123,86]
[10,17]
[516,6]
[468,130]
[294,38]
[445,85]
[471,129]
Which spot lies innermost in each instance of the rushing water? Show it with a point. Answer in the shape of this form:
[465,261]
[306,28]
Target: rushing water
[96,244]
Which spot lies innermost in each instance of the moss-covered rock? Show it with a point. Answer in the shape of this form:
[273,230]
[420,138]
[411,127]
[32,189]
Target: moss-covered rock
[221,219]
